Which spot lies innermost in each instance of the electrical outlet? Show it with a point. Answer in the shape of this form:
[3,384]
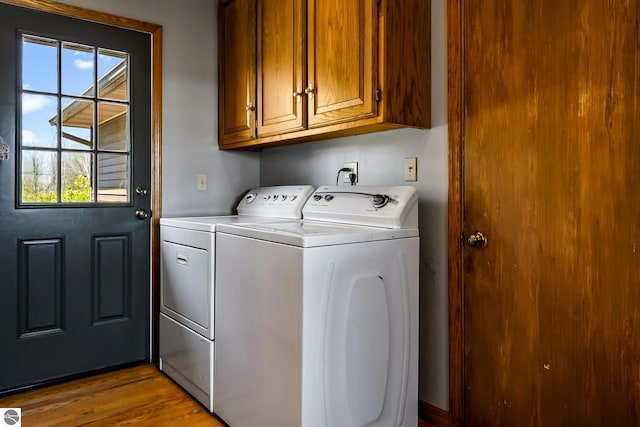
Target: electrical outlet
[202,182]
[411,169]
[354,169]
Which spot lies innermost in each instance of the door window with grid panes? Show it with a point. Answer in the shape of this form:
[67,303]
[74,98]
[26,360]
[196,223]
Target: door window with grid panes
[75,140]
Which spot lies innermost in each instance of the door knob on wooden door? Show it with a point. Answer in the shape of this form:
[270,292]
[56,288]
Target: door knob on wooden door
[477,240]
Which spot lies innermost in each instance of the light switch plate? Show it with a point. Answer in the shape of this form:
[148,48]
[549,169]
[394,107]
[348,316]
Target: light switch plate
[411,169]
[202,182]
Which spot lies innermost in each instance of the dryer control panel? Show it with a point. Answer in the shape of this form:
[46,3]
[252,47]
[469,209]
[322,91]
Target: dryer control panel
[377,206]
[283,201]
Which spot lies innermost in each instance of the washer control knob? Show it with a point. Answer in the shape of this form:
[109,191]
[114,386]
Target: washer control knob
[293,197]
[250,198]
[317,197]
[328,197]
[380,200]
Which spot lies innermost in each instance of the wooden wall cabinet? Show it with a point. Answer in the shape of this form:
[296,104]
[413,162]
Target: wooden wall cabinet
[237,72]
[321,69]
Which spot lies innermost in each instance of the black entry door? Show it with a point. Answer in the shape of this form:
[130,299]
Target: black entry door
[74,196]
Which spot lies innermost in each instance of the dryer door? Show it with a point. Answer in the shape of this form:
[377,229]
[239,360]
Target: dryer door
[187,279]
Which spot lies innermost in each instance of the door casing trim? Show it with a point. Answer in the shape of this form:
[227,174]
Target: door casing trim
[455,109]
[156,126]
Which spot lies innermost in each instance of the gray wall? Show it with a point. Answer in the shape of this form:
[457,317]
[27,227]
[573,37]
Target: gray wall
[190,107]
[190,147]
[380,158]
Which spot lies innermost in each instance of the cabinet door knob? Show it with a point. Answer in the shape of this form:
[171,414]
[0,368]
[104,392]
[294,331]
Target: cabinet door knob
[310,90]
[250,107]
[298,94]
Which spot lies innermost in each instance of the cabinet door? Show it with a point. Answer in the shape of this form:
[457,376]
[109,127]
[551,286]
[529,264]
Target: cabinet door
[281,66]
[342,60]
[237,81]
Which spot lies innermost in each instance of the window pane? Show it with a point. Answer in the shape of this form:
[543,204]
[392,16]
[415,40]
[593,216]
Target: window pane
[76,177]
[113,177]
[113,127]
[39,119]
[77,123]
[39,64]
[112,75]
[39,176]
[77,69]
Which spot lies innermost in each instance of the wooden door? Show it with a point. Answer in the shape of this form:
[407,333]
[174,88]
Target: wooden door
[551,166]
[74,274]
[342,60]
[237,71]
[281,66]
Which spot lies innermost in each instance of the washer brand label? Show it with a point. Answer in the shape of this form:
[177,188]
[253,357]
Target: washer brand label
[11,417]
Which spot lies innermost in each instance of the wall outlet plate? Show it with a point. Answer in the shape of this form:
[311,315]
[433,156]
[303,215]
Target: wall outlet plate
[354,169]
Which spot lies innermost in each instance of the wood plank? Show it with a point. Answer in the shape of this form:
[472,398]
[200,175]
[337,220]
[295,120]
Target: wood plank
[455,107]
[551,160]
[141,396]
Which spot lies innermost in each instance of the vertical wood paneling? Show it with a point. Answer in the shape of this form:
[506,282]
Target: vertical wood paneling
[552,304]
[40,287]
[405,77]
[237,53]
[112,278]
[455,107]
[281,66]
[342,60]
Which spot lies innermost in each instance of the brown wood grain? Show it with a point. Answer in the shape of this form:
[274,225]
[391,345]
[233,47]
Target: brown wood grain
[342,46]
[433,416]
[141,396]
[405,74]
[551,161]
[237,71]
[281,66]
[88,14]
[352,50]
[455,107]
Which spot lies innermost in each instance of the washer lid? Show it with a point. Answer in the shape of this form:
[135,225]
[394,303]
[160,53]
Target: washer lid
[210,223]
[307,234]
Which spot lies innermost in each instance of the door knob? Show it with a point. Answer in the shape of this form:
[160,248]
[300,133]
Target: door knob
[142,213]
[477,240]
[142,191]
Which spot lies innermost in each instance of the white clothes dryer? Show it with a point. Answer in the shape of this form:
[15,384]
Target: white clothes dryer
[188,276]
[317,321]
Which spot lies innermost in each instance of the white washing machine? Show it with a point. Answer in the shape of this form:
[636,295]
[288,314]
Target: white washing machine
[188,277]
[317,319]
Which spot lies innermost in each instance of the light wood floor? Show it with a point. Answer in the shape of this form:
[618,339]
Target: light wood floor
[139,396]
